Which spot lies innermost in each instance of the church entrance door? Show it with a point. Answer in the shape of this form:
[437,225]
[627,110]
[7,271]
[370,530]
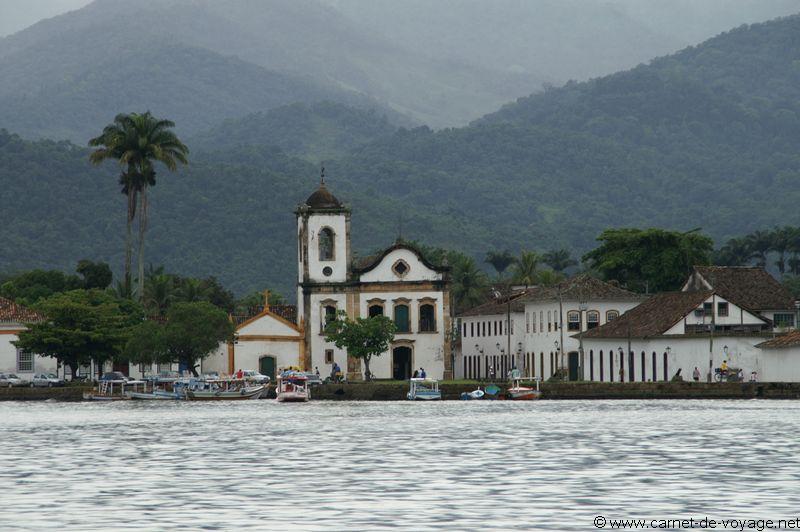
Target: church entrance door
[401,363]
[266,366]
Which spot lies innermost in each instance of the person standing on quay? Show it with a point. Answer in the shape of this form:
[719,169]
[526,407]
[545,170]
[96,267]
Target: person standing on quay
[696,374]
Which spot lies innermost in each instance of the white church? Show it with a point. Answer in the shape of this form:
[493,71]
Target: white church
[398,282]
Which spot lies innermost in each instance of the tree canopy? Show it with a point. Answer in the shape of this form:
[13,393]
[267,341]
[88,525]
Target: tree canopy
[362,338]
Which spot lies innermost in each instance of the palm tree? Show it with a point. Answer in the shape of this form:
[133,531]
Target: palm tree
[137,141]
[735,252]
[760,244]
[468,283]
[524,268]
[191,290]
[559,259]
[159,293]
[780,242]
[549,277]
[500,260]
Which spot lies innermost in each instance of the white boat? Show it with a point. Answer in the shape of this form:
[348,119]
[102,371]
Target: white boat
[473,395]
[231,393]
[424,390]
[517,392]
[292,388]
[115,389]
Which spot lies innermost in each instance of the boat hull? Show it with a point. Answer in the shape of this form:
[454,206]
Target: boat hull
[292,397]
[220,395]
[154,396]
[522,395]
[424,397]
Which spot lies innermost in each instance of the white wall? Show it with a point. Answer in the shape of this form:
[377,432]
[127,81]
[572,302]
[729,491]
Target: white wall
[417,270]
[318,345]
[780,365]
[487,345]
[8,357]
[337,222]
[685,352]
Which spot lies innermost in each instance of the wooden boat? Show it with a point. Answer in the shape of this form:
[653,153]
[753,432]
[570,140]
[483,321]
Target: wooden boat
[114,390]
[517,392]
[157,395]
[424,390]
[229,394]
[292,387]
[473,395]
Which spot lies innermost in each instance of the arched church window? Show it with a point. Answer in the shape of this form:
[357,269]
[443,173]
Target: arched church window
[427,318]
[401,320]
[326,244]
[375,309]
[328,316]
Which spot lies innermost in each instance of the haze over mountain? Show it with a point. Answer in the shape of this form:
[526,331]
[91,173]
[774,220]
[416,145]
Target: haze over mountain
[703,138]
[441,63]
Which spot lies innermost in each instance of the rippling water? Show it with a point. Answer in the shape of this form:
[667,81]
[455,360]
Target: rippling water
[548,465]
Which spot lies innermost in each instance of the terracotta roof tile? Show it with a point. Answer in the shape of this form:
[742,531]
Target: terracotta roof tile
[652,317]
[790,339]
[494,307]
[748,287]
[581,287]
[11,312]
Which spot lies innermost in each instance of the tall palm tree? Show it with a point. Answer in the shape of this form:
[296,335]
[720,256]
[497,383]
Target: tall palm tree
[524,268]
[137,141]
[500,260]
[159,293]
[780,242]
[191,290]
[559,259]
[735,252]
[469,283]
[760,244]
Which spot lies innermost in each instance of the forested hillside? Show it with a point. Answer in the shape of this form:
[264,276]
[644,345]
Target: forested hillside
[705,138]
[316,132]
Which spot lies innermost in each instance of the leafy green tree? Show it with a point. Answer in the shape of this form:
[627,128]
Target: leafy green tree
[559,259]
[759,243]
[28,288]
[362,338]
[189,333]
[649,259]
[81,325]
[525,268]
[159,294]
[95,274]
[735,252]
[469,284]
[500,260]
[549,277]
[137,141]
[792,283]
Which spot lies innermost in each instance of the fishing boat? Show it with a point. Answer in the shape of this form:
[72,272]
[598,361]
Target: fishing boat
[518,392]
[424,390]
[113,388]
[473,395]
[292,388]
[158,395]
[223,390]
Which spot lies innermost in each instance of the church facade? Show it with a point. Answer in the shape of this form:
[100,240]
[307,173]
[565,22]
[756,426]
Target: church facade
[398,283]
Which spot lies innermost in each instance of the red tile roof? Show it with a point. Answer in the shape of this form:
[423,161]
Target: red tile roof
[790,339]
[749,287]
[581,287]
[652,317]
[10,312]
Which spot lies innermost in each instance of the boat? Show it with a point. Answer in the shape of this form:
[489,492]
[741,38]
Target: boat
[292,387]
[491,391]
[473,395]
[424,389]
[230,393]
[518,392]
[158,395]
[114,390]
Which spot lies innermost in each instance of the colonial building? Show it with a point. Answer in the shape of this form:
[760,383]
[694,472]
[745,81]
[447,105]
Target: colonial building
[553,315]
[14,360]
[489,340]
[725,314]
[398,282]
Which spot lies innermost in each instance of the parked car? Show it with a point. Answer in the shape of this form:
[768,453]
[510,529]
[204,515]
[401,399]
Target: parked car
[313,378]
[47,380]
[114,376]
[255,376]
[10,379]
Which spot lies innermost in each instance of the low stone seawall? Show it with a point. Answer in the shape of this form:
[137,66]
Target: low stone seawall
[61,393]
[577,390]
[377,391]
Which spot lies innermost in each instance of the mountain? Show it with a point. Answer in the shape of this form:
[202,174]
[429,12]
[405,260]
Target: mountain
[316,132]
[704,138]
[440,63]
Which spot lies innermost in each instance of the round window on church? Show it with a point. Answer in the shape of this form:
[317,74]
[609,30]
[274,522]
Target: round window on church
[327,271]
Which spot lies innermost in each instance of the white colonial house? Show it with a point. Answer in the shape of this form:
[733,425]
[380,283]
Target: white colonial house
[488,343]
[553,315]
[13,318]
[722,314]
[398,282]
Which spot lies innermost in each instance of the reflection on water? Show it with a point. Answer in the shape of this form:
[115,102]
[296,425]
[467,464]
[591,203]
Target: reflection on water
[548,465]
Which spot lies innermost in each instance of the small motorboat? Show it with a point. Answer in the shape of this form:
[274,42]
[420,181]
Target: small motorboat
[491,391]
[158,395]
[517,392]
[473,395]
[112,388]
[231,394]
[424,390]
[292,387]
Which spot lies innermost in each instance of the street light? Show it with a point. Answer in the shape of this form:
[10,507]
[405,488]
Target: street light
[725,350]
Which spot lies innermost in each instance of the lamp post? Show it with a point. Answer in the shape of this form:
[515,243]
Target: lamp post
[558,351]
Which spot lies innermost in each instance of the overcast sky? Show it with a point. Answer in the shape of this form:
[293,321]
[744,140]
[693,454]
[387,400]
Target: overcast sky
[19,14]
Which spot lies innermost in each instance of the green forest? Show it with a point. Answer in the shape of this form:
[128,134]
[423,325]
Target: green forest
[703,138]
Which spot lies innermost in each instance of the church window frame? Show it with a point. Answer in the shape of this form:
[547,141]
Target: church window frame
[373,305]
[326,244]
[328,312]
[402,323]
[427,315]
[400,268]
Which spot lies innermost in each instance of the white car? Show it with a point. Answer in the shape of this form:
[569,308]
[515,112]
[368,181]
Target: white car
[46,380]
[254,376]
[10,379]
